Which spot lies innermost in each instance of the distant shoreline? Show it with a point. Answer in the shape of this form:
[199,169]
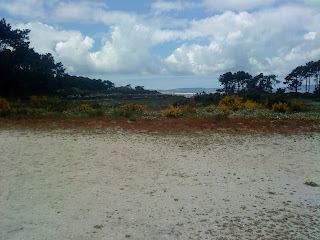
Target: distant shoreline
[189,92]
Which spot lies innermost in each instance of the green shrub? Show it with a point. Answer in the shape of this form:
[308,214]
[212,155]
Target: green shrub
[190,109]
[297,106]
[311,183]
[208,99]
[96,105]
[56,105]
[101,112]
[218,117]
[116,113]
[211,108]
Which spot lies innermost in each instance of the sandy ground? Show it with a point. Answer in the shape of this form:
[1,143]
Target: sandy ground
[77,185]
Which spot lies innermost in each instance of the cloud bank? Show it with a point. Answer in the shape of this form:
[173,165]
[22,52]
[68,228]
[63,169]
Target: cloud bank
[266,36]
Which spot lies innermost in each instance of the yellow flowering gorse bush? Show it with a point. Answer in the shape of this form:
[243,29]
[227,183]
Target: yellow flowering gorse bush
[84,107]
[131,107]
[172,111]
[190,109]
[16,104]
[34,101]
[280,107]
[8,108]
[231,103]
[253,105]
[211,107]
[3,103]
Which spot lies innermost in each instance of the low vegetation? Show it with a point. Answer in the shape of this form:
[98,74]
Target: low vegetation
[33,86]
[311,183]
[280,107]
[297,106]
[131,107]
[229,104]
[172,111]
[232,111]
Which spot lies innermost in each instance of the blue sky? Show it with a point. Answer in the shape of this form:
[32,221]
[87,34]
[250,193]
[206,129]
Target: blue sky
[163,44]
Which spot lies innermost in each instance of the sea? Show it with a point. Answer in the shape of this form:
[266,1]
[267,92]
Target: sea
[189,92]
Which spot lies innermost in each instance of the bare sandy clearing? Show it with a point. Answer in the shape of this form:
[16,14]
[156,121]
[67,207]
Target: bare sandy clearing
[69,185]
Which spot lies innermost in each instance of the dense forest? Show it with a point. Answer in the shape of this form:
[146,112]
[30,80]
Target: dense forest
[25,72]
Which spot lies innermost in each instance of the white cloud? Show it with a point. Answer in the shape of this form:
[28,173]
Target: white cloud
[264,40]
[31,9]
[74,52]
[44,37]
[310,36]
[69,47]
[219,26]
[90,12]
[197,59]
[167,6]
[66,11]
[127,51]
[82,10]
[164,6]
[237,5]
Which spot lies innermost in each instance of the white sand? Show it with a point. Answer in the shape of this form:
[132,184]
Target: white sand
[68,185]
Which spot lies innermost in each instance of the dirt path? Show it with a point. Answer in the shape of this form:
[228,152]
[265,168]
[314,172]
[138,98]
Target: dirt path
[69,185]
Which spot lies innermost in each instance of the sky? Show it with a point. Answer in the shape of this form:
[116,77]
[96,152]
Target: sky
[162,44]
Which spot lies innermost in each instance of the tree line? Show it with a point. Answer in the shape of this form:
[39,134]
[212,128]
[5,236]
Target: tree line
[243,81]
[235,82]
[308,73]
[25,72]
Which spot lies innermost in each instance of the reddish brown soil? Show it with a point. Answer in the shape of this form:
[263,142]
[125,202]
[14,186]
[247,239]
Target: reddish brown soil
[170,126]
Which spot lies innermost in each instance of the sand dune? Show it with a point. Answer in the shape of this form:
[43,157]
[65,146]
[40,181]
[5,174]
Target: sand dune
[121,185]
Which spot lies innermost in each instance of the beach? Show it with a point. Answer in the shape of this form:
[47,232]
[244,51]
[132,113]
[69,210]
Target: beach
[72,184]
